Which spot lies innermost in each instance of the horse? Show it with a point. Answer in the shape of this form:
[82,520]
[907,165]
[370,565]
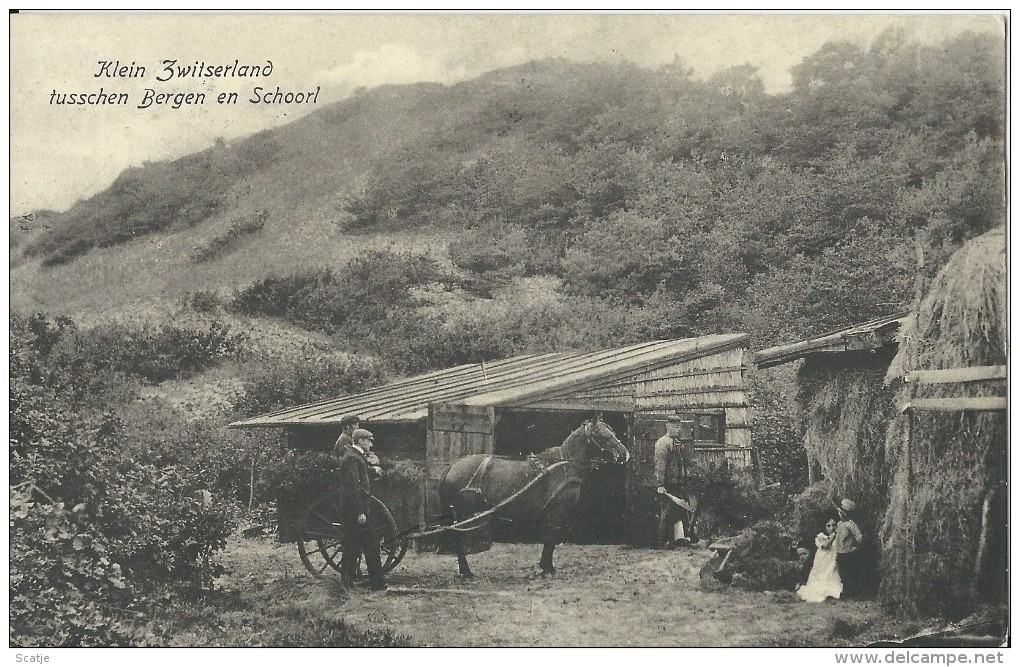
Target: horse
[543,488]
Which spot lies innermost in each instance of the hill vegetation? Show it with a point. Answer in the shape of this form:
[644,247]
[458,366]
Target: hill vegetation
[782,215]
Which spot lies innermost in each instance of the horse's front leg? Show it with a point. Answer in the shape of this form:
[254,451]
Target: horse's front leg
[556,512]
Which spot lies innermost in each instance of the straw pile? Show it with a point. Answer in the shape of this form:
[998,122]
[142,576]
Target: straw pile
[944,532]
[846,408]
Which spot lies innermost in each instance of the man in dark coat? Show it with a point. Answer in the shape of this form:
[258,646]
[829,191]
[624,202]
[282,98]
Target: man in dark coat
[355,492]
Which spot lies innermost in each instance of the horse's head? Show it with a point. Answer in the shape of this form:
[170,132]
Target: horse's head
[602,436]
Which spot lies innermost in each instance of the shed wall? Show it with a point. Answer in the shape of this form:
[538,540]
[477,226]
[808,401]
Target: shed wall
[713,381]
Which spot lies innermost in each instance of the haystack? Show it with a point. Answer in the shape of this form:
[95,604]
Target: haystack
[846,408]
[944,532]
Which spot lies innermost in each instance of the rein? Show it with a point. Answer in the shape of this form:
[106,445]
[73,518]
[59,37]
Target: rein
[459,526]
[538,462]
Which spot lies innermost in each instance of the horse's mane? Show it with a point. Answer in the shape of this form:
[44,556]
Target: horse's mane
[561,452]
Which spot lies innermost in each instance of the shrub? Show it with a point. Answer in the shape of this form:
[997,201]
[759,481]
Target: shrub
[808,509]
[85,359]
[163,353]
[781,452]
[729,501]
[93,529]
[768,559]
[370,289]
[204,301]
[285,384]
[501,250]
[231,239]
[627,256]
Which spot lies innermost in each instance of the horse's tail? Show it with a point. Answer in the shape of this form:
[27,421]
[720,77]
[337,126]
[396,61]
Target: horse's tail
[462,474]
[460,496]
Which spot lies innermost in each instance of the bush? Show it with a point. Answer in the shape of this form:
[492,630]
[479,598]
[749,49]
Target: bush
[370,289]
[94,530]
[284,384]
[231,239]
[162,353]
[83,360]
[729,501]
[204,301]
[627,256]
[500,250]
[808,509]
[767,560]
[775,434]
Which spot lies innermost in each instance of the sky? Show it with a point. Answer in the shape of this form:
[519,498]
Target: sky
[62,153]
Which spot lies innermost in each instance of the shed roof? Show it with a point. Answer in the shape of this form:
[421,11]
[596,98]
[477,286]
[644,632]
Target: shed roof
[509,382]
[867,336]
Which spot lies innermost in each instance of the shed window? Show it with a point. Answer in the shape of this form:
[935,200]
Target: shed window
[709,429]
[706,428]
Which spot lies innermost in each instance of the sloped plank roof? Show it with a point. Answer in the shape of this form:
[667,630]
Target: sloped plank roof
[507,382]
[869,335]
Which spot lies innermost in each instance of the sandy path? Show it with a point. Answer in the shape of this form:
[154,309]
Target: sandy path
[603,595]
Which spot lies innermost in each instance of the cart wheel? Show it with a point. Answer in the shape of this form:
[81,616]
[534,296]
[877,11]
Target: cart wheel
[322,543]
[392,546]
[317,554]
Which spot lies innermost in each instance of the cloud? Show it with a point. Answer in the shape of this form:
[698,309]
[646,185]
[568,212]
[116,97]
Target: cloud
[390,64]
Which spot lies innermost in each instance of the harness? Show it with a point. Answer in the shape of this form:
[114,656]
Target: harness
[482,468]
[473,485]
[460,525]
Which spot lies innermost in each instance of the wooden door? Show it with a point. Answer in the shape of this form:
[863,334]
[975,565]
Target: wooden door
[454,431]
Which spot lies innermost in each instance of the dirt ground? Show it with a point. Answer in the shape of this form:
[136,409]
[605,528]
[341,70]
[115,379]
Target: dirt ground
[602,595]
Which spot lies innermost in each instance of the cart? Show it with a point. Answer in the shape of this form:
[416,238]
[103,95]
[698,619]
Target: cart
[320,538]
[320,529]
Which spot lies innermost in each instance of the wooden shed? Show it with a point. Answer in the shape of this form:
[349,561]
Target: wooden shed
[525,404]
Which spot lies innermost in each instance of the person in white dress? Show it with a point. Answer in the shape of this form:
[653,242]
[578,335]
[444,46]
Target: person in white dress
[823,581]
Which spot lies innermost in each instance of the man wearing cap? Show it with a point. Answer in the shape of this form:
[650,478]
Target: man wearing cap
[355,492]
[670,461]
[846,543]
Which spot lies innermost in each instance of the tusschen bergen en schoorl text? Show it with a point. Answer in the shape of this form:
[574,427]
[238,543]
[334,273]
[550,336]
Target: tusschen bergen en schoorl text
[170,85]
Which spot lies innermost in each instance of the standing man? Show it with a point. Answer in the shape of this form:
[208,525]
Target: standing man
[670,472]
[355,492]
[348,424]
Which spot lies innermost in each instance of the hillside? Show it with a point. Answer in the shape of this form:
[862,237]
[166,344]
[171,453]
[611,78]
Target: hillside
[296,179]
[142,243]
[704,205]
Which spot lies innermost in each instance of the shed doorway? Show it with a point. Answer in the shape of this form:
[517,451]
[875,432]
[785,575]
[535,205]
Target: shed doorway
[599,518]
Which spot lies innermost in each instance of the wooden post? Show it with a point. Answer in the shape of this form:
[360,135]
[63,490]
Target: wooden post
[982,550]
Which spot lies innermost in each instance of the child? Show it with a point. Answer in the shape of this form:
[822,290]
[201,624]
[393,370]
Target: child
[846,544]
[824,581]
